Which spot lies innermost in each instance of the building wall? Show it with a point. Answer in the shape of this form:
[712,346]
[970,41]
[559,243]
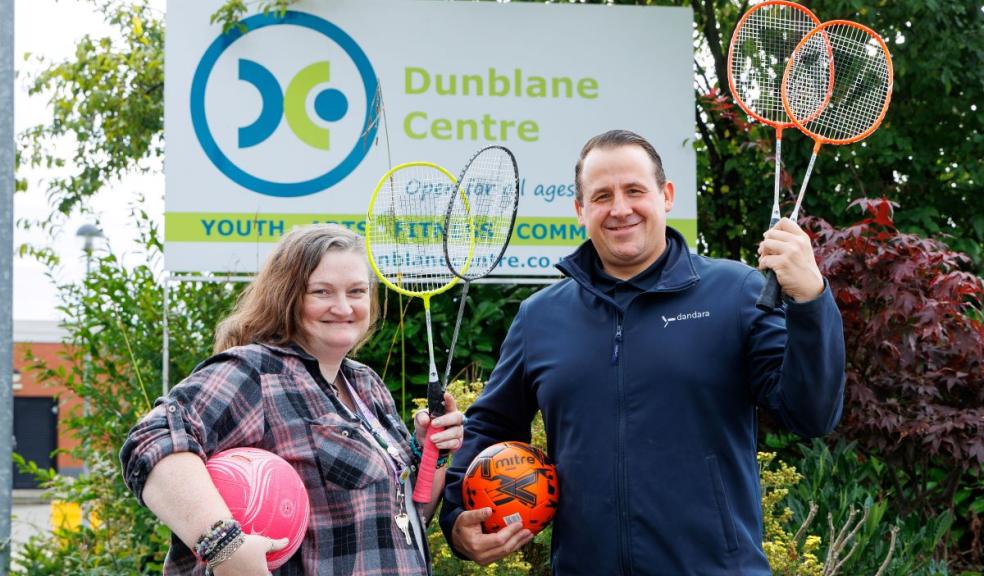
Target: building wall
[45,341]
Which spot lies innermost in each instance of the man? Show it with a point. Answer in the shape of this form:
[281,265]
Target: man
[649,364]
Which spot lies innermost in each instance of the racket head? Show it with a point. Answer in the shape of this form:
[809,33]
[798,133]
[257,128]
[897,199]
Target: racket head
[405,229]
[479,221]
[760,47]
[859,66]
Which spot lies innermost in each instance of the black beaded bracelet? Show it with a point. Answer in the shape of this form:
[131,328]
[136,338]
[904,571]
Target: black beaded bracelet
[442,460]
[227,538]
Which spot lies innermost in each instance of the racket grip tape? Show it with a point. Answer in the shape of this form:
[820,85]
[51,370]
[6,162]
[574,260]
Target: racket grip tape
[428,465]
[771,294]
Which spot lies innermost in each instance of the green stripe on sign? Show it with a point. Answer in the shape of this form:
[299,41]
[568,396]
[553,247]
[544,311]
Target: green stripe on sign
[687,227]
[252,228]
[546,231]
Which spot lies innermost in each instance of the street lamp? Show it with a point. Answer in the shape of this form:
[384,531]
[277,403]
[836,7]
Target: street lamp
[89,233]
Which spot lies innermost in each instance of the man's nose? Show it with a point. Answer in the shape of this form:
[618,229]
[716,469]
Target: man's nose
[620,205]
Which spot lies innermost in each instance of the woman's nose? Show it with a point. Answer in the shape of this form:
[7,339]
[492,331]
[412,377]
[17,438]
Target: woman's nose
[341,305]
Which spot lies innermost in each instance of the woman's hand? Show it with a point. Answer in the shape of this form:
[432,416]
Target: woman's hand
[448,439]
[250,558]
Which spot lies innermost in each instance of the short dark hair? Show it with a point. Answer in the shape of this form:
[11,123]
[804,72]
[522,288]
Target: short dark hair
[615,139]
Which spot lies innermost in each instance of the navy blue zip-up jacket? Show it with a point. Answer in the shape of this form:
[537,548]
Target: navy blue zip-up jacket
[650,411]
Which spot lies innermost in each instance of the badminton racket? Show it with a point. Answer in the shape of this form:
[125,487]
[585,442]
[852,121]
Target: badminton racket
[479,225]
[760,48]
[855,62]
[404,242]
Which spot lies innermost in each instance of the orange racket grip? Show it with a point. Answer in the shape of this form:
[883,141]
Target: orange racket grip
[428,465]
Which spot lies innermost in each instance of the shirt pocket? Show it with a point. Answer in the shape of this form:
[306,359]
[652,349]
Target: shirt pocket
[345,457]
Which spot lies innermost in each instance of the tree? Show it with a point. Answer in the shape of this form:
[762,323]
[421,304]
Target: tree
[925,155]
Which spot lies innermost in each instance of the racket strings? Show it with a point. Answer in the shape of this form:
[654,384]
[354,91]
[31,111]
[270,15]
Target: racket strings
[407,235]
[860,85]
[761,47]
[480,223]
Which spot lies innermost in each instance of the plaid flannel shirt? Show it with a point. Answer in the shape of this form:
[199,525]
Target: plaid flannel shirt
[275,398]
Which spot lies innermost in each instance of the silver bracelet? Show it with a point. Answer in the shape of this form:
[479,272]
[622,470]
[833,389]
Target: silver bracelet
[227,551]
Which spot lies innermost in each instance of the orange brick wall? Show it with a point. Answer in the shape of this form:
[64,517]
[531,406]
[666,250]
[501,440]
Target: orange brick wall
[51,353]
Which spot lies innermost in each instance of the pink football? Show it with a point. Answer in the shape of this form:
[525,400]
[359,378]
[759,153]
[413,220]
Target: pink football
[265,495]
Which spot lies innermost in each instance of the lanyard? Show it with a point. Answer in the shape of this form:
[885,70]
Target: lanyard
[373,426]
[401,470]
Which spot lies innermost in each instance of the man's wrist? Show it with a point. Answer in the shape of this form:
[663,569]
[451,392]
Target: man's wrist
[812,294]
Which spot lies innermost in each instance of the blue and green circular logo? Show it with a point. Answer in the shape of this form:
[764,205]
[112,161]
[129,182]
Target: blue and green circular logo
[290,104]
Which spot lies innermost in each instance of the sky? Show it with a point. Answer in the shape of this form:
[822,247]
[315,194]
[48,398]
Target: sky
[51,28]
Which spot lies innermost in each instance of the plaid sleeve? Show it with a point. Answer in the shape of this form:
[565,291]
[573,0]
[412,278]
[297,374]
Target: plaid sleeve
[219,406]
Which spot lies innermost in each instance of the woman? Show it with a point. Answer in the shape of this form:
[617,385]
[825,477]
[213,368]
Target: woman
[281,381]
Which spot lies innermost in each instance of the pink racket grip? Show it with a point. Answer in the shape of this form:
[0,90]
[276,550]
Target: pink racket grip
[428,465]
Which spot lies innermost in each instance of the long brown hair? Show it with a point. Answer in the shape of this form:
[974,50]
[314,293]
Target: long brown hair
[269,309]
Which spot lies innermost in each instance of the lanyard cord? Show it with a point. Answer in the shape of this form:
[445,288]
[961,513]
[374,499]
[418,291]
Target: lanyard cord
[363,414]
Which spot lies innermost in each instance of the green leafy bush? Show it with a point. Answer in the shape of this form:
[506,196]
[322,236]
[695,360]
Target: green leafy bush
[843,483]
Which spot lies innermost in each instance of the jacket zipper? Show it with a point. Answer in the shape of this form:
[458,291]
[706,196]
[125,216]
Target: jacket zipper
[618,341]
[620,489]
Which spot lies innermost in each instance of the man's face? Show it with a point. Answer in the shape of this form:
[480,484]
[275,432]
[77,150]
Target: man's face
[623,208]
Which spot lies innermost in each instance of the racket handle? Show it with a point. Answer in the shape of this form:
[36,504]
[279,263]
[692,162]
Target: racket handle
[769,299]
[428,465]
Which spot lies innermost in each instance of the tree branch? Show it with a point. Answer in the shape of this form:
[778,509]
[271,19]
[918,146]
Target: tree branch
[709,141]
[714,43]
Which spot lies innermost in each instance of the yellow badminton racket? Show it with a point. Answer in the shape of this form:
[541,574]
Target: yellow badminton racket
[405,229]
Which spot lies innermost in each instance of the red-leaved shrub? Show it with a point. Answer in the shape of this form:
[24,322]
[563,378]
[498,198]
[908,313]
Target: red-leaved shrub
[915,347]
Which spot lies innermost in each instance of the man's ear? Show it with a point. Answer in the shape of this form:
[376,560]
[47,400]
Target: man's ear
[579,209]
[669,193]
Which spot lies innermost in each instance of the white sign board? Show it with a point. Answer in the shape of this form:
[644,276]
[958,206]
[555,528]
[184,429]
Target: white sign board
[277,124]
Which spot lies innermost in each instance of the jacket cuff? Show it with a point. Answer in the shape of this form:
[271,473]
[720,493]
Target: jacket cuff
[447,520]
[162,432]
[810,305]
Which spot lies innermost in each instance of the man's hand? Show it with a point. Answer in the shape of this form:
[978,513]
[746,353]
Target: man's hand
[482,548]
[787,251]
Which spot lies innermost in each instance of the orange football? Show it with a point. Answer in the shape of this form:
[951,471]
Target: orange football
[517,481]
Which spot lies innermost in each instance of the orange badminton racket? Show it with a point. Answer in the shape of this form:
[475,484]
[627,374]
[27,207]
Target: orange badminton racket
[760,48]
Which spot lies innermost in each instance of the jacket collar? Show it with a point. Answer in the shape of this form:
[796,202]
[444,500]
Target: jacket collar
[679,272]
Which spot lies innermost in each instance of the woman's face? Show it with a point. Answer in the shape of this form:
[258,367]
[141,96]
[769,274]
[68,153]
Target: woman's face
[335,308]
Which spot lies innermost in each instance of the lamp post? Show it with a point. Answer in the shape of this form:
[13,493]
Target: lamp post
[6,274]
[89,233]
